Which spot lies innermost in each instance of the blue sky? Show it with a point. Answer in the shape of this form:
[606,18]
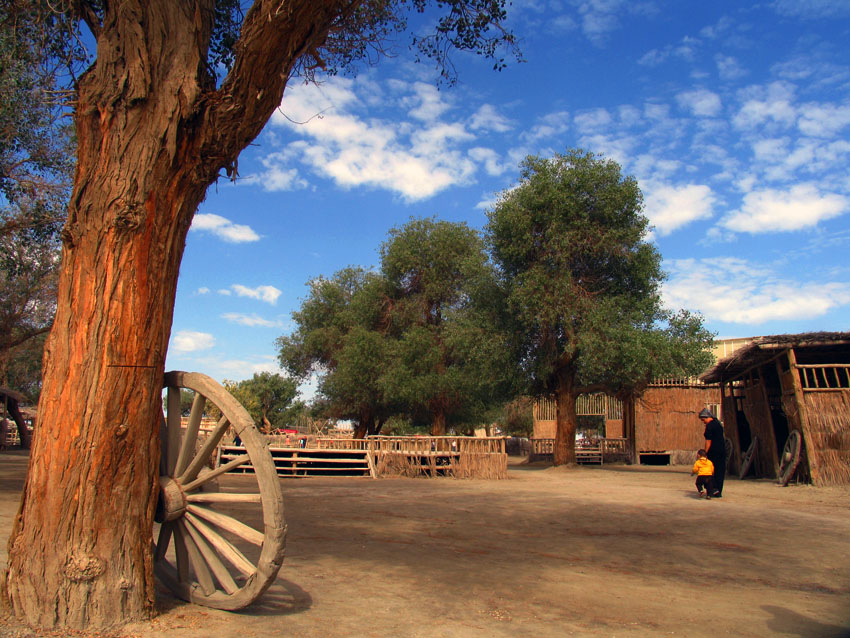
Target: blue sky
[733,116]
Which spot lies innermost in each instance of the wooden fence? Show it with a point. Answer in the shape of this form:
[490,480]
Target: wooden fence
[587,450]
[824,377]
[457,456]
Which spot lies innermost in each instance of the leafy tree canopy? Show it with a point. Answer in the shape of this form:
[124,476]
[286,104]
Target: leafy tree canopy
[269,398]
[36,162]
[421,338]
[341,335]
[449,357]
[584,283]
[584,286]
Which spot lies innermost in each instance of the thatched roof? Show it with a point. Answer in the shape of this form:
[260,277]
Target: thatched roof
[763,349]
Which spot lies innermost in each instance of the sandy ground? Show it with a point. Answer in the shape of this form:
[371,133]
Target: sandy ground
[589,551]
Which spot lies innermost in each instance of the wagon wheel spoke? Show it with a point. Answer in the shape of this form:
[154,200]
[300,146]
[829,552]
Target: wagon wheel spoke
[195,465]
[173,430]
[219,569]
[190,438]
[181,555]
[199,565]
[222,497]
[223,469]
[228,524]
[162,541]
[224,547]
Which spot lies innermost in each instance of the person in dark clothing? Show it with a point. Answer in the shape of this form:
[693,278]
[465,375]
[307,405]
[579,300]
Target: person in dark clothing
[715,448]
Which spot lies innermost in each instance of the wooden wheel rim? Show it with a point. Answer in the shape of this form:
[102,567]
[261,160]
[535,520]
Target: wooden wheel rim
[790,457]
[749,455]
[193,531]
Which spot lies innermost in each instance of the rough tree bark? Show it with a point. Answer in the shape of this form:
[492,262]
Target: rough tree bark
[564,451]
[153,133]
[438,424]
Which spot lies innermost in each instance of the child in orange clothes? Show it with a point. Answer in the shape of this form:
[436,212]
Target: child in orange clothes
[704,469]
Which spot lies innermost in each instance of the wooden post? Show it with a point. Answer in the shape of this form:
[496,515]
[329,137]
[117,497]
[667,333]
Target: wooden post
[629,429]
[803,417]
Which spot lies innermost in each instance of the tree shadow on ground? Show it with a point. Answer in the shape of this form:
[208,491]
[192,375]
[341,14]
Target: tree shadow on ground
[791,623]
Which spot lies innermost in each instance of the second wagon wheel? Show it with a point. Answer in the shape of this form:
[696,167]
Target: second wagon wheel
[749,455]
[197,551]
[790,458]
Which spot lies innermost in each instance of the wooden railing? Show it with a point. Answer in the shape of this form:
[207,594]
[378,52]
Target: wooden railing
[824,377]
[595,450]
[419,444]
[458,456]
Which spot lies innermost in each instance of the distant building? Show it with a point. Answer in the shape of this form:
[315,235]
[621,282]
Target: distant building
[786,399]
[666,426]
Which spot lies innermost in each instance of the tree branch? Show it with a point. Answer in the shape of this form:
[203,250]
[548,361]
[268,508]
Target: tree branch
[275,35]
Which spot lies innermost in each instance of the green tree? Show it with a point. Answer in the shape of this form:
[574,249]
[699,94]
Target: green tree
[583,283]
[36,161]
[175,92]
[341,336]
[449,360]
[269,399]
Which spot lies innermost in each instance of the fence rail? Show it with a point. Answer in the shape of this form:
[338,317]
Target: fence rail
[597,450]
[824,377]
[458,456]
[423,444]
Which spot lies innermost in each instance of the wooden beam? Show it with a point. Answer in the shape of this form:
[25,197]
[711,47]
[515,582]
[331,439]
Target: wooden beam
[800,399]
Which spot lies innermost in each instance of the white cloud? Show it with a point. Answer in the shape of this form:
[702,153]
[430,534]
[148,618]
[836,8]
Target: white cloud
[728,67]
[279,174]
[766,105]
[592,120]
[548,127]
[402,156]
[733,290]
[223,228]
[769,210]
[600,17]
[823,120]
[812,9]
[190,341]
[203,290]
[653,57]
[487,118]
[224,291]
[670,207]
[269,294]
[252,321]
[427,103]
[492,162]
[700,102]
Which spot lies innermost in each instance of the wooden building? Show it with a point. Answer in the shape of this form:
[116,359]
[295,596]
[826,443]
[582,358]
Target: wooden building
[786,388]
[666,425]
[665,416]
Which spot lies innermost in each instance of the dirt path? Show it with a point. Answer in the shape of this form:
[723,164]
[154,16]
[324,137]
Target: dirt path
[613,551]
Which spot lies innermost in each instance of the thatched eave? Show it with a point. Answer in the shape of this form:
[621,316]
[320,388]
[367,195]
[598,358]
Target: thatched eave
[762,349]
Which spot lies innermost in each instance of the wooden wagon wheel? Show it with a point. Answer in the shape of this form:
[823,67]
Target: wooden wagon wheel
[204,565]
[790,457]
[749,455]
[727,447]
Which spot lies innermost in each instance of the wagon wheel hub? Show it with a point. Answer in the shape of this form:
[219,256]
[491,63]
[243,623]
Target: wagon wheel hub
[172,500]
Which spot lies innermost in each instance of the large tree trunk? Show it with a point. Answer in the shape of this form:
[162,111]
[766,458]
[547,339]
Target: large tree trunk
[564,452]
[438,425]
[153,133]
[20,423]
[630,429]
